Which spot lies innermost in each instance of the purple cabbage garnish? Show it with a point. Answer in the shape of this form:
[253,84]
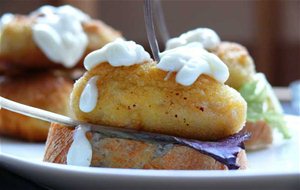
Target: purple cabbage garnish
[224,151]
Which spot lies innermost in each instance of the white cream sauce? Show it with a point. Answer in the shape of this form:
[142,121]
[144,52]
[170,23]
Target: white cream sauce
[80,152]
[62,10]
[205,36]
[5,19]
[117,53]
[190,61]
[89,96]
[59,34]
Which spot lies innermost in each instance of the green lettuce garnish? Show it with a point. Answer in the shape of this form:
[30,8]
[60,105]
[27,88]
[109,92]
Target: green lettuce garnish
[263,105]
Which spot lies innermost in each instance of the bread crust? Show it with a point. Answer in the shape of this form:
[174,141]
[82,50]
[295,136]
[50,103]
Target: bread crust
[122,153]
[19,51]
[43,90]
[261,135]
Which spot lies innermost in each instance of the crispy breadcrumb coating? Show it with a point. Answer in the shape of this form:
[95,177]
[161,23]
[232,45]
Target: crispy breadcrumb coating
[239,62]
[139,97]
[43,90]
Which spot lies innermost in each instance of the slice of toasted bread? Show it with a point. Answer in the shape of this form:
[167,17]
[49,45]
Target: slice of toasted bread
[261,135]
[124,153]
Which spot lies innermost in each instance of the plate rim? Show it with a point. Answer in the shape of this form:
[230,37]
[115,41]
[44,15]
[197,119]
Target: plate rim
[7,159]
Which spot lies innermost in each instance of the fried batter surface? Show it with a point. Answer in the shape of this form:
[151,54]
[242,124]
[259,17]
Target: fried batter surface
[139,97]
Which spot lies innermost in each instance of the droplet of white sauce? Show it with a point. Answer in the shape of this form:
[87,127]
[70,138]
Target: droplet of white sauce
[5,19]
[117,53]
[190,61]
[59,34]
[80,152]
[89,95]
[205,36]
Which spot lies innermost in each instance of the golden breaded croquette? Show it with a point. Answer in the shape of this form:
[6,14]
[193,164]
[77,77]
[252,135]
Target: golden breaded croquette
[138,97]
[239,62]
[19,50]
[43,90]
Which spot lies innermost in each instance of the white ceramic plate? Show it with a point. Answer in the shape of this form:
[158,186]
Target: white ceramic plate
[275,168]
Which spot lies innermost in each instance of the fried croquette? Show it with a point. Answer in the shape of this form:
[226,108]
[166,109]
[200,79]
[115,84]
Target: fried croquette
[240,63]
[43,90]
[18,49]
[139,97]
